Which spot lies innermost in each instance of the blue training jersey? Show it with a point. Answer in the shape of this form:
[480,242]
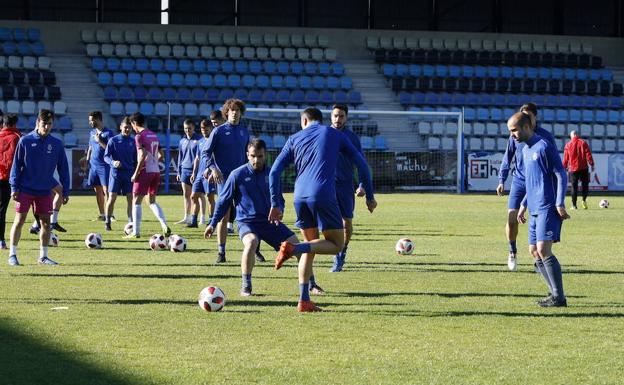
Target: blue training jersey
[344,169]
[513,148]
[227,147]
[35,160]
[187,151]
[545,178]
[314,150]
[123,149]
[249,190]
[97,151]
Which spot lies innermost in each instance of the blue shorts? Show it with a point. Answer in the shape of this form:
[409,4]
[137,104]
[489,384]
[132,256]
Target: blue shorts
[120,183]
[268,232]
[545,226]
[324,215]
[98,176]
[185,176]
[201,185]
[345,194]
[516,194]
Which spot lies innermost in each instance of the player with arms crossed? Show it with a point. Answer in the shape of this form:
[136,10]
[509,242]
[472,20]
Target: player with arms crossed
[98,168]
[314,150]
[546,183]
[518,189]
[186,158]
[200,186]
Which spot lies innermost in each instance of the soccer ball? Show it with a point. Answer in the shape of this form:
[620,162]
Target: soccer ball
[158,242]
[211,298]
[94,240]
[128,228]
[54,240]
[177,243]
[404,246]
[604,204]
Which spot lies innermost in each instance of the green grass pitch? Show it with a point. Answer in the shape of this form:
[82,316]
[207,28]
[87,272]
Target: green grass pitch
[449,314]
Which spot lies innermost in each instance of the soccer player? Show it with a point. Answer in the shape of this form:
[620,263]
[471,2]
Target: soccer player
[187,150]
[314,150]
[37,156]
[345,193]
[577,158]
[200,186]
[98,168]
[224,151]
[546,184]
[512,158]
[146,176]
[248,187]
[121,155]
[9,136]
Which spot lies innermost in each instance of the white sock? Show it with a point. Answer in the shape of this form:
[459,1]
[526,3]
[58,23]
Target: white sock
[160,215]
[43,252]
[202,218]
[12,250]
[188,217]
[137,213]
[55,215]
[230,226]
[129,219]
[35,224]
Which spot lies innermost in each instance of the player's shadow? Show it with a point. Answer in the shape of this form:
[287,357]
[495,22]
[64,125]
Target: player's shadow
[549,313]
[144,276]
[438,294]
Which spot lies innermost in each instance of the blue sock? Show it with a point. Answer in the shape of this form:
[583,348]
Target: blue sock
[512,247]
[301,248]
[540,267]
[222,248]
[194,219]
[312,280]
[304,291]
[553,268]
[247,281]
[343,253]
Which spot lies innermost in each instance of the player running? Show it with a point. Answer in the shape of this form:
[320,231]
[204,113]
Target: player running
[187,150]
[314,150]
[98,168]
[146,176]
[545,200]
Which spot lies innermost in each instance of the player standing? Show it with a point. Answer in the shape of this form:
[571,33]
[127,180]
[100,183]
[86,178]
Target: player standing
[314,150]
[146,176]
[187,150]
[9,136]
[37,156]
[98,168]
[121,155]
[224,151]
[577,158]
[516,193]
[545,200]
[200,186]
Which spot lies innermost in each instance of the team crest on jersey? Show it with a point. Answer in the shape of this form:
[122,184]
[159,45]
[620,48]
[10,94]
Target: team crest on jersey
[227,132]
[534,156]
[49,148]
[247,179]
[549,233]
[33,144]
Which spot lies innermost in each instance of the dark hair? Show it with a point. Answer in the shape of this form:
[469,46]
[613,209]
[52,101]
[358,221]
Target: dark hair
[9,120]
[342,107]
[531,107]
[189,121]
[216,114]
[45,115]
[205,123]
[96,115]
[231,103]
[125,120]
[138,119]
[313,113]
[256,144]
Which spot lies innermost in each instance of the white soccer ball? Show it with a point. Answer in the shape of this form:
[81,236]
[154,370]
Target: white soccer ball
[604,204]
[404,246]
[94,240]
[158,242]
[211,298]
[54,240]
[177,243]
[128,228]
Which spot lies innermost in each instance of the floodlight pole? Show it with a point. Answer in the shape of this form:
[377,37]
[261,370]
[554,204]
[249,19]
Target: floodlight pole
[167,149]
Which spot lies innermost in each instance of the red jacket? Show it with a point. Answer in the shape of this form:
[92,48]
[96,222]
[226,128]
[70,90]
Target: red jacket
[9,136]
[577,155]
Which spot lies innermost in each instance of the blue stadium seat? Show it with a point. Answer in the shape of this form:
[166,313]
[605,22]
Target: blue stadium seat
[142,65]
[380,143]
[116,109]
[282,67]
[184,94]
[98,64]
[130,108]
[324,68]
[24,49]
[128,64]
[212,95]
[198,94]
[125,94]
[176,109]
[227,66]
[248,81]
[601,116]
[161,109]
[163,79]
[154,94]
[269,96]
[19,34]
[199,65]
[367,142]
[191,80]
[262,81]
[470,114]
[134,78]
[283,96]
[113,64]
[9,48]
[400,69]
[291,82]
[575,116]
[220,80]
[213,66]
[318,82]
[312,96]
[33,34]
[326,97]
[205,80]
[70,140]
[241,66]
[342,97]
[254,95]
[171,65]
[297,96]
[480,71]
[296,67]
[346,83]
[110,93]
[234,80]
[310,68]
[5,34]
[169,94]
[614,116]
[157,65]
[496,114]
[140,93]
[587,116]
[146,108]
[415,70]
[269,67]
[255,67]
[279,141]
[277,81]
[185,65]
[548,115]
[405,98]
[483,114]
[105,79]
[305,82]
[64,124]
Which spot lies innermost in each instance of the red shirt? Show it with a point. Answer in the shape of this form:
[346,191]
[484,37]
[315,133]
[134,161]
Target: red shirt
[577,155]
[9,136]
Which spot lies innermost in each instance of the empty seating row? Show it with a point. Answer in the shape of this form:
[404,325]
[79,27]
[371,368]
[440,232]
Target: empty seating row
[27,123]
[400,42]
[29,107]
[32,77]
[22,48]
[20,34]
[26,62]
[100,64]
[499,144]
[25,92]
[205,38]
[502,85]
[512,100]
[222,81]
[219,52]
[469,71]
[549,115]
[495,58]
